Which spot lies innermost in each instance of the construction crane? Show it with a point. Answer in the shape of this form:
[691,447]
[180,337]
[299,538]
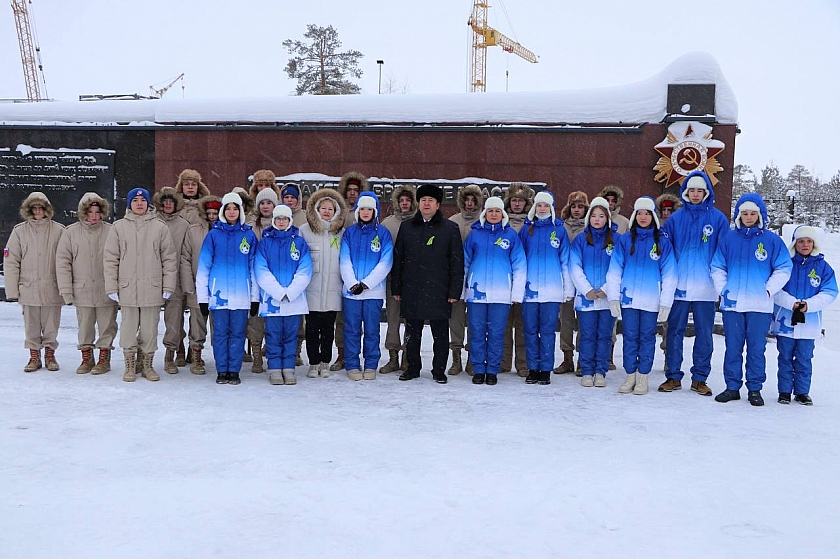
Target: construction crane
[30,53]
[485,36]
[159,93]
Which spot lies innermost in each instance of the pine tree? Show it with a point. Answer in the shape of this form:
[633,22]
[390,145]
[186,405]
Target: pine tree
[317,65]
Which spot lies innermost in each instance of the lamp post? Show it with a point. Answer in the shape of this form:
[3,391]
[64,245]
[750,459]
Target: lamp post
[380,63]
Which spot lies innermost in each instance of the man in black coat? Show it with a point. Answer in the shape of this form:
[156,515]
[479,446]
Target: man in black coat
[427,277]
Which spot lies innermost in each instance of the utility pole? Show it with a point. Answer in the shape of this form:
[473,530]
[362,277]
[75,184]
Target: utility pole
[380,63]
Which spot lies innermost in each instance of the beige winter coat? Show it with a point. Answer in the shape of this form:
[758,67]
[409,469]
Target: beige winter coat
[393,221]
[350,215]
[176,224]
[463,218]
[140,260]
[29,256]
[324,290]
[193,240]
[189,209]
[79,260]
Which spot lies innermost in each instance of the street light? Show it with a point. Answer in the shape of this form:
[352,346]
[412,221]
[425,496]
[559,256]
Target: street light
[380,63]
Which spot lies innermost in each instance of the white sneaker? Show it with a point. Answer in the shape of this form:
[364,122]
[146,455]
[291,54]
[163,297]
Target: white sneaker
[275,376]
[369,374]
[354,374]
[587,381]
[313,371]
[289,376]
[600,380]
[641,384]
[324,370]
[629,384]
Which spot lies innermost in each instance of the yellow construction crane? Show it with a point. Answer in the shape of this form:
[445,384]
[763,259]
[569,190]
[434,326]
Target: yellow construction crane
[30,53]
[159,93]
[485,36]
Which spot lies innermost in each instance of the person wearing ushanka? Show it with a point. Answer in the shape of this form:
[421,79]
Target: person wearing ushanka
[573,215]
[81,281]
[495,273]
[283,269]
[694,232]
[262,179]
[30,276]
[518,201]
[190,189]
[666,205]
[141,269]
[365,261]
[750,265]
[427,277]
[640,289]
[548,284]
[615,196]
[225,284]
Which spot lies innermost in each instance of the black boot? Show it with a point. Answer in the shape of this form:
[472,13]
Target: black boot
[784,398]
[478,379]
[533,377]
[491,380]
[754,397]
[728,396]
[233,378]
[409,376]
[221,378]
[804,399]
[440,378]
[545,377]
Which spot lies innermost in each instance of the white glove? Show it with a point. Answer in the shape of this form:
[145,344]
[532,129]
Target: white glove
[615,309]
[166,295]
[114,297]
[663,314]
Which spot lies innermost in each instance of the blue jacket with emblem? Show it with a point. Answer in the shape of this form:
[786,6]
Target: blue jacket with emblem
[283,268]
[494,264]
[749,263]
[646,279]
[225,275]
[695,231]
[812,280]
[546,247]
[366,255]
[588,265]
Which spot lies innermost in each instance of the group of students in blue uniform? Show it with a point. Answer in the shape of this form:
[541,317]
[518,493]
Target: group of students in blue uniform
[693,263]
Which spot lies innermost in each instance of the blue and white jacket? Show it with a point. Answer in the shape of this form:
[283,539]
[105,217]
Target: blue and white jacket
[283,268]
[695,231]
[588,266]
[366,255]
[750,262]
[225,275]
[644,280]
[547,255]
[494,264]
[812,280]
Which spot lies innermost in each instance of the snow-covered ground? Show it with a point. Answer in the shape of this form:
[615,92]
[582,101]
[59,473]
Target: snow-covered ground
[95,467]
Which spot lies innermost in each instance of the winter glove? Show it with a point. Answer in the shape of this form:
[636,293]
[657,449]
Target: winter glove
[798,315]
[204,308]
[166,295]
[663,314]
[357,289]
[114,297]
[68,299]
[592,294]
[255,308]
[615,309]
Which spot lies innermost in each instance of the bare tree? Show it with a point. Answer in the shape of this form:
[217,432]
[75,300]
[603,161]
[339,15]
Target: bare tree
[317,65]
[392,86]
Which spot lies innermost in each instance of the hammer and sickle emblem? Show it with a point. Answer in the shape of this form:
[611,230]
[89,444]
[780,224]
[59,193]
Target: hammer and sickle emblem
[691,157]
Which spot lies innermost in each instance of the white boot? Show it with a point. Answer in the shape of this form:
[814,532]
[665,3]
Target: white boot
[641,384]
[629,384]
[289,376]
[369,374]
[275,376]
[600,380]
[313,371]
[587,381]
[354,374]
[325,371]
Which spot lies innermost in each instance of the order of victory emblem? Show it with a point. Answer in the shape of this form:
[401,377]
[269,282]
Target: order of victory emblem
[688,147]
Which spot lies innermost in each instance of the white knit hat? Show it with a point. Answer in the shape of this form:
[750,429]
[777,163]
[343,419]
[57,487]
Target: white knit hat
[281,211]
[542,197]
[806,232]
[266,194]
[232,198]
[599,202]
[695,181]
[366,202]
[644,203]
[496,203]
[749,205]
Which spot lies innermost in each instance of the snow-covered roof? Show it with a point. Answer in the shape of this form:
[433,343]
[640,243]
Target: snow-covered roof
[636,103]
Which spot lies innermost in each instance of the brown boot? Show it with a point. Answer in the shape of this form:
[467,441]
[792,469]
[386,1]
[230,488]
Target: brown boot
[87,361]
[468,368]
[672,384]
[197,366]
[104,363]
[298,360]
[403,362]
[256,351]
[568,364]
[49,359]
[130,374]
[247,358]
[169,362]
[34,361]
[181,356]
[701,388]
[339,361]
[457,366]
[148,367]
[393,363]
[612,363]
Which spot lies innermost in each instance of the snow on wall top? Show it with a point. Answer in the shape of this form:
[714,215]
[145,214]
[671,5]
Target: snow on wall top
[640,102]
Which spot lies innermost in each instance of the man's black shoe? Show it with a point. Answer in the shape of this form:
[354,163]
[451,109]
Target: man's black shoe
[491,380]
[440,378]
[728,396]
[478,379]
[754,397]
[408,375]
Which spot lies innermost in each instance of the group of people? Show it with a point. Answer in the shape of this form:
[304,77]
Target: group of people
[270,275]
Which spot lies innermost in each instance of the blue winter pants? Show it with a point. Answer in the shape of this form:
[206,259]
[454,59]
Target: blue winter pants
[794,365]
[742,328]
[540,320]
[487,323]
[361,315]
[229,339]
[281,341]
[639,337]
[595,342]
[701,355]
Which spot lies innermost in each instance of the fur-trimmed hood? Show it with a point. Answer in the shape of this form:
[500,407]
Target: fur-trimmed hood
[202,211]
[342,183]
[663,197]
[167,191]
[247,200]
[519,190]
[576,196]
[194,175]
[476,191]
[401,190]
[619,194]
[87,201]
[31,200]
[314,220]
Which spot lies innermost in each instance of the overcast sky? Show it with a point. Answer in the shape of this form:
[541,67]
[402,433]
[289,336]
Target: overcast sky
[780,57]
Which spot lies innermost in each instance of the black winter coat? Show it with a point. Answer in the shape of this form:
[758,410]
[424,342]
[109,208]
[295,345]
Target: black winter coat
[428,267]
